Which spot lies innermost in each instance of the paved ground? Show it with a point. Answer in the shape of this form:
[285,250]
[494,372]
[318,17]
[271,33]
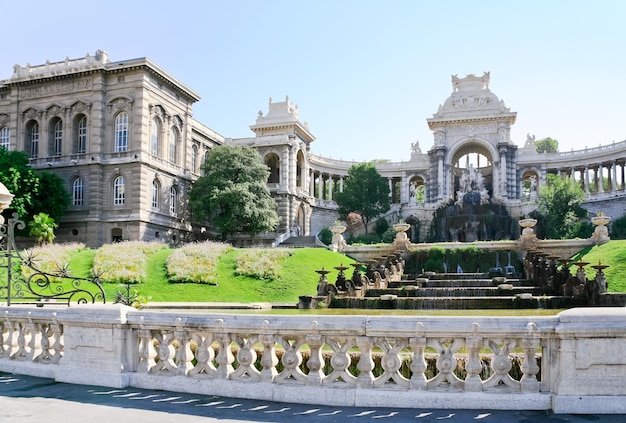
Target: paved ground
[25,399]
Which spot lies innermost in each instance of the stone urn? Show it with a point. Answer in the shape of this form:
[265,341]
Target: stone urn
[601,232]
[338,243]
[402,241]
[528,225]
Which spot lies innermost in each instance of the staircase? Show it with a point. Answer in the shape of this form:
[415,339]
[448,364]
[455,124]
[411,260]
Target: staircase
[447,291]
[301,242]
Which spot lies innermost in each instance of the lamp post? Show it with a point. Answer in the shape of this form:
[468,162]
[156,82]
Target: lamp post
[5,200]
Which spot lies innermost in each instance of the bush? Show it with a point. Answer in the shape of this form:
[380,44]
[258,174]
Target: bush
[261,263]
[389,236]
[326,236]
[618,228]
[195,263]
[381,227]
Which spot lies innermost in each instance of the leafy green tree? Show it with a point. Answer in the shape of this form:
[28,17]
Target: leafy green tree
[547,145]
[34,192]
[52,197]
[42,228]
[233,192]
[560,207]
[365,192]
[21,181]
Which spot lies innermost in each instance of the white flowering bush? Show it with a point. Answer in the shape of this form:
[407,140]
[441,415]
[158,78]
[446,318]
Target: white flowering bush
[261,263]
[196,263]
[124,262]
[50,258]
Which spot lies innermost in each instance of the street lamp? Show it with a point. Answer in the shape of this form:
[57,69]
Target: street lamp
[5,200]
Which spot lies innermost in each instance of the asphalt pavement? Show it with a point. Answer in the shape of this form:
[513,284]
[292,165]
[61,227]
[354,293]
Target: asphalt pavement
[26,399]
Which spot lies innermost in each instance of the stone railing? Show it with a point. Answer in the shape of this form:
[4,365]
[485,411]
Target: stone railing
[571,362]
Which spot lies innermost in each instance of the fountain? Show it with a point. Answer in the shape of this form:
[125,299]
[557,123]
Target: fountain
[474,215]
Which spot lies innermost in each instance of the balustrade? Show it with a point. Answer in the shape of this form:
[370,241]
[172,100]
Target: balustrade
[401,361]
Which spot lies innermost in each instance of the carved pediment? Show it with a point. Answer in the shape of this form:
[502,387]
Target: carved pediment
[31,113]
[121,103]
[4,119]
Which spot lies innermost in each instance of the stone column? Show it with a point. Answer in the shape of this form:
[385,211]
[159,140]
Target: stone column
[440,194]
[586,178]
[311,183]
[614,176]
[503,173]
[600,179]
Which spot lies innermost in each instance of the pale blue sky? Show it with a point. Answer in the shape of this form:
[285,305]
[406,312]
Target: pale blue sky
[365,74]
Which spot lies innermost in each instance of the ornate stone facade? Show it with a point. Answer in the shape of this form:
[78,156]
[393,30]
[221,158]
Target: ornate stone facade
[122,135]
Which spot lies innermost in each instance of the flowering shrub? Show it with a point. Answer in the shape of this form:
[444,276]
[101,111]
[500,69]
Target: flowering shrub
[196,263]
[50,258]
[124,262]
[261,263]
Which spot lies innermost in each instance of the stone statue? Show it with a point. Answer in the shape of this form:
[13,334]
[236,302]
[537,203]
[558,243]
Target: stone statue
[530,141]
[415,150]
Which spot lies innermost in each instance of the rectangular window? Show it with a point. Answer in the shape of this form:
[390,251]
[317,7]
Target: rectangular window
[82,136]
[121,132]
[5,137]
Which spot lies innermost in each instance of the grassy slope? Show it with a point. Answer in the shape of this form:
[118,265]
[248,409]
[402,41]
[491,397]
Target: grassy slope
[297,278]
[613,253]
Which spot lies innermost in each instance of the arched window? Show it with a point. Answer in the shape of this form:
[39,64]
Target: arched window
[273,162]
[155,130]
[32,139]
[80,143]
[5,135]
[194,159]
[172,146]
[121,132]
[118,191]
[173,200]
[300,170]
[155,194]
[56,137]
[77,192]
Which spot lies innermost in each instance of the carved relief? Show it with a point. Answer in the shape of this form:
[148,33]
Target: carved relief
[31,113]
[4,119]
[80,107]
[55,89]
[54,111]
[121,103]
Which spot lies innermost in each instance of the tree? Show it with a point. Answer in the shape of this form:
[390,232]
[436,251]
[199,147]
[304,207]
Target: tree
[34,192]
[42,227]
[547,145]
[560,207]
[233,192]
[21,181]
[365,192]
[52,198]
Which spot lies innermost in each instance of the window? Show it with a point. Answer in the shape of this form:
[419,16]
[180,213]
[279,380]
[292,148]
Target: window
[34,140]
[77,192]
[118,191]
[121,132]
[81,129]
[5,136]
[57,138]
[155,194]
[173,200]
[194,158]
[155,128]
[171,148]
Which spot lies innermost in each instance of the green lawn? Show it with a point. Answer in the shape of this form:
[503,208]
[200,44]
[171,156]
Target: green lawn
[297,276]
[613,253]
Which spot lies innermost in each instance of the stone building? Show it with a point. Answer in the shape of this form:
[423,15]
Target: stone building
[123,137]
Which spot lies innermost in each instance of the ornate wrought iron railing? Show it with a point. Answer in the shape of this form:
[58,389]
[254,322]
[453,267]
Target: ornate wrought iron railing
[23,282]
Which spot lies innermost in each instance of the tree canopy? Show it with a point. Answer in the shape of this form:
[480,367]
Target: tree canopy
[547,145]
[365,192]
[233,193]
[560,207]
[34,192]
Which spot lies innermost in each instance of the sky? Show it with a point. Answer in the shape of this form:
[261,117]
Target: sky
[365,74]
